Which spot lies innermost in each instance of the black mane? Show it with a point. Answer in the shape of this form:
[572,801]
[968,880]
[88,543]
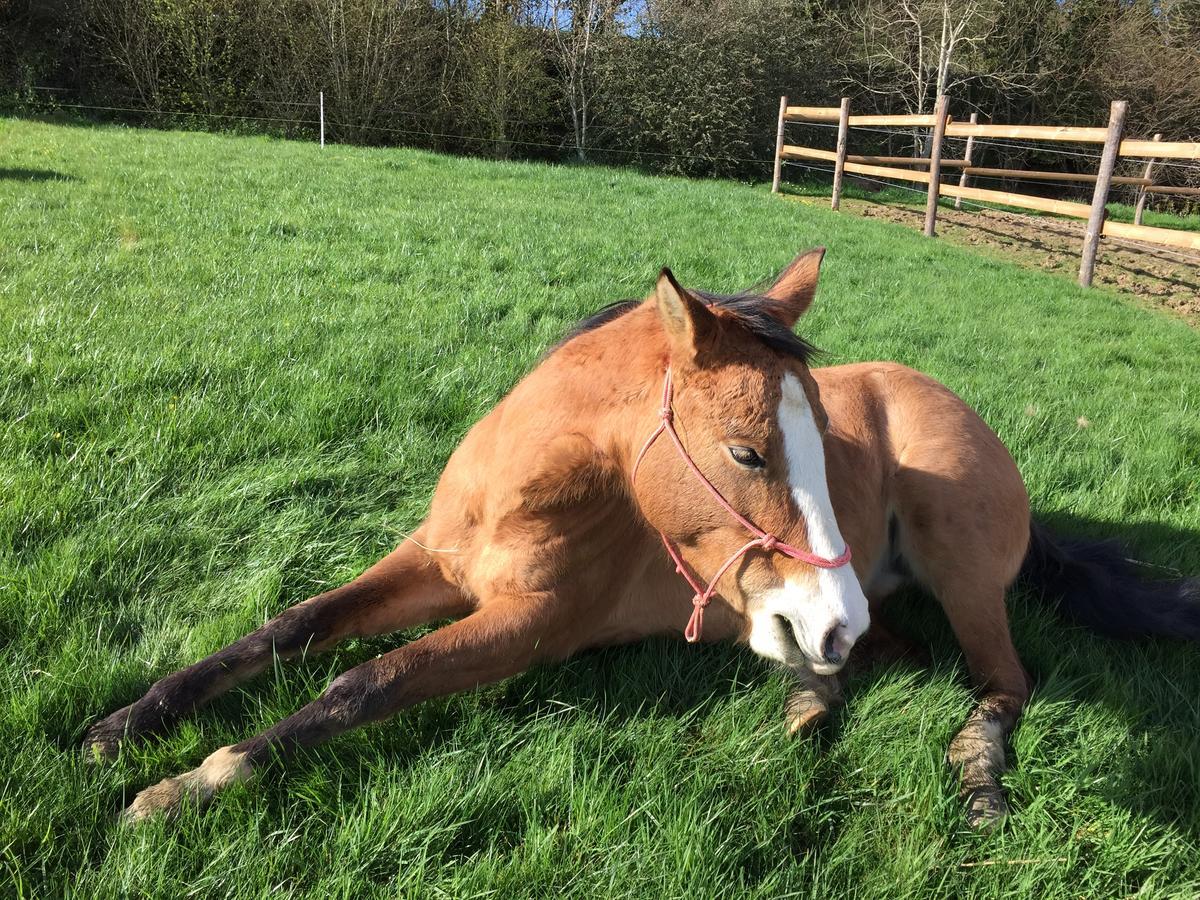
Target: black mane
[747,310]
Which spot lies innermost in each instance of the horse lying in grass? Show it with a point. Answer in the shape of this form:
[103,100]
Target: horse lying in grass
[677,461]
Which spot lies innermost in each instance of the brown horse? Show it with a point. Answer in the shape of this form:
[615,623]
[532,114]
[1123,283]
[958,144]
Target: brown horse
[683,436]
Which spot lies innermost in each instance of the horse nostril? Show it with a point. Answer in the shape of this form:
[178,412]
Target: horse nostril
[788,627]
[834,648]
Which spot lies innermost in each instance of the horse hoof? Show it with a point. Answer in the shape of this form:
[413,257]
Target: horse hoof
[162,799]
[986,809]
[168,797]
[103,740]
[803,711]
[96,752]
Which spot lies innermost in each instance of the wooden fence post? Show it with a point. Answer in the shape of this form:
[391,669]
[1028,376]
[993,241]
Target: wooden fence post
[962,179]
[1141,194]
[839,163]
[1108,161]
[935,164]
[779,145]
[321,102]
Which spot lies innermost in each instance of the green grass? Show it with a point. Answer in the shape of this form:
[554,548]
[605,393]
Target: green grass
[230,372]
[1124,212]
[888,192]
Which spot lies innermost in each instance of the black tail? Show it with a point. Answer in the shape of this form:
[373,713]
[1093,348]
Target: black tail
[1097,586]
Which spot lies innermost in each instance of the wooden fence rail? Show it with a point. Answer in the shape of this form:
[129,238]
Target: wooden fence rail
[1182,191]
[941,125]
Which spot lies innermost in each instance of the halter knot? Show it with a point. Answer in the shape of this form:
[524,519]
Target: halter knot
[769,542]
[666,414]
[695,625]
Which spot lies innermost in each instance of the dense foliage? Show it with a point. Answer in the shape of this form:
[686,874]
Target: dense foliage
[687,86]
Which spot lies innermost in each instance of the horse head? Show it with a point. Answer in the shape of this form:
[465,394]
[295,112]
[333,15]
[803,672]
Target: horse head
[742,498]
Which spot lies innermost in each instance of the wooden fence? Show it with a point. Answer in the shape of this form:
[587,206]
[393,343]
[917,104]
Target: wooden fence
[941,125]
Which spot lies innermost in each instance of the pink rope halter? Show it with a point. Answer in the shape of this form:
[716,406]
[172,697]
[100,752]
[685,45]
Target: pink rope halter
[702,595]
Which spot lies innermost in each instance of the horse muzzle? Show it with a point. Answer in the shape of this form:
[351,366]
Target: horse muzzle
[814,629]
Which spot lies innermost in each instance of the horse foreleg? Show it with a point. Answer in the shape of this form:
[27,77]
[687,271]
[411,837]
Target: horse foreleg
[811,700]
[980,623]
[808,703]
[402,590]
[502,638]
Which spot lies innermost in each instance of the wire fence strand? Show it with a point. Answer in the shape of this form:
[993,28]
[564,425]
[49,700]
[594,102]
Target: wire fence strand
[892,132]
[429,133]
[418,132]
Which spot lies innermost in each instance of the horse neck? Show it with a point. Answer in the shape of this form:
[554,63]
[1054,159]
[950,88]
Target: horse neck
[616,376]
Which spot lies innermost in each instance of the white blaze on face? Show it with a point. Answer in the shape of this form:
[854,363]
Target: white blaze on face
[791,623]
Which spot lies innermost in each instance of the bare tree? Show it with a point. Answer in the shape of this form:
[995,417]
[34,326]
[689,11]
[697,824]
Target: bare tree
[503,88]
[369,48]
[1141,56]
[916,50]
[577,29]
[128,37]
[911,52]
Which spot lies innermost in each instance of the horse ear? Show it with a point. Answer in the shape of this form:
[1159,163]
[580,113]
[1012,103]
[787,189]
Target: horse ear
[794,289]
[689,324]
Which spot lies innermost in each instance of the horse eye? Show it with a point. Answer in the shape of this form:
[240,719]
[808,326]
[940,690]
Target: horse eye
[744,456]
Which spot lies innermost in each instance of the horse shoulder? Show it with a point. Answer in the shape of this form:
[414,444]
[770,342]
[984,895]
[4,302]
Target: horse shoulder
[539,500]
[859,455]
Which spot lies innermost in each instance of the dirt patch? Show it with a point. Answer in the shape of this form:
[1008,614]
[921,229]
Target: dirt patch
[1159,277]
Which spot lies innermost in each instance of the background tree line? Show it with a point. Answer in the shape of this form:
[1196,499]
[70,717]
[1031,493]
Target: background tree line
[683,86]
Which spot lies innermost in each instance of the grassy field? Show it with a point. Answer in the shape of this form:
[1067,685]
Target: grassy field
[230,372]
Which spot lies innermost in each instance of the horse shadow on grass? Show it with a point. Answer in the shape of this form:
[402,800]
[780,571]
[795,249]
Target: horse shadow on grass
[1148,686]
[20,174]
[1144,688]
